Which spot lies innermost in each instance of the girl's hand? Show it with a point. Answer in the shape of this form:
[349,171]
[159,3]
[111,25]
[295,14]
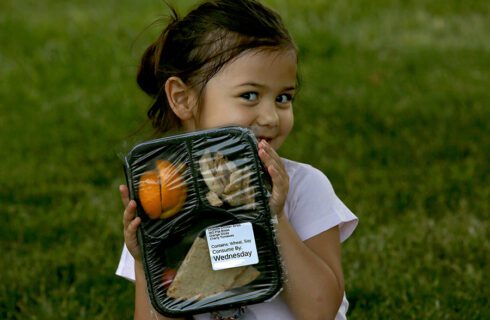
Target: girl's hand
[131,223]
[280,178]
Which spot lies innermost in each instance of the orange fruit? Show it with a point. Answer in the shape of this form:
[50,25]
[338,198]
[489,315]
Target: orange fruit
[162,192]
[149,194]
[173,188]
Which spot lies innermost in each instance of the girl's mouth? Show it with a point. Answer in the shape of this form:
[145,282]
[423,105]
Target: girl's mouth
[257,132]
[268,140]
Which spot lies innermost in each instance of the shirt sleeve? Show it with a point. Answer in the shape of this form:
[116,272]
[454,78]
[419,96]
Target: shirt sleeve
[313,206]
[125,268]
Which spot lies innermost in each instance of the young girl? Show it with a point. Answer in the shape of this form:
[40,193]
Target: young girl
[232,62]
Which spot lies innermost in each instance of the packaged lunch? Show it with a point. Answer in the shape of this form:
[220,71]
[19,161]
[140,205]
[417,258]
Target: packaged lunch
[207,234]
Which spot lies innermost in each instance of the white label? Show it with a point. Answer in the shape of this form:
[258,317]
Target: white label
[232,246]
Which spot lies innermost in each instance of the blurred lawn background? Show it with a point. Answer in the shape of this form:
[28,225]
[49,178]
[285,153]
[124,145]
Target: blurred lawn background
[394,108]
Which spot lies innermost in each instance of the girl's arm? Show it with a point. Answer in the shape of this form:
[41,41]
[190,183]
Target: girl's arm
[142,307]
[314,284]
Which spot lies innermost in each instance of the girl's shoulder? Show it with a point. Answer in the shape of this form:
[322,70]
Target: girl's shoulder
[303,173]
[312,205]
[292,166]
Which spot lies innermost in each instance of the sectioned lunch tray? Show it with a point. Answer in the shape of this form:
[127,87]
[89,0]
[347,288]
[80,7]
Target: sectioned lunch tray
[203,200]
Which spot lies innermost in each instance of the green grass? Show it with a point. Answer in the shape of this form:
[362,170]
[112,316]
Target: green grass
[394,108]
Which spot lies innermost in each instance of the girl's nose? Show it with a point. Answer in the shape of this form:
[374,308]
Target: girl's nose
[268,116]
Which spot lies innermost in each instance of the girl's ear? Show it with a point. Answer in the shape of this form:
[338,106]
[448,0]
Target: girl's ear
[180,98]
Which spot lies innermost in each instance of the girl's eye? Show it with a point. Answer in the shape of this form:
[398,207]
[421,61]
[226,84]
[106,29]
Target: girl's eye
[250,96]
[284,98]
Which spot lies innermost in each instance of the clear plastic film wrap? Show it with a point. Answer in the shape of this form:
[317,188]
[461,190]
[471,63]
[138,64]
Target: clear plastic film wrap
[207,237]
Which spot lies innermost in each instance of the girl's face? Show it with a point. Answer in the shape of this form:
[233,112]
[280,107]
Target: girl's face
[255,90]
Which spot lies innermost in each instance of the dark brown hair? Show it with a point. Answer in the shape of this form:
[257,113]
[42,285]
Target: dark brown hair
[197,46]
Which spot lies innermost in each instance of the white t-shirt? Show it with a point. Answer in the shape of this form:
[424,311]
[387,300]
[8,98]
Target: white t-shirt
[311,208]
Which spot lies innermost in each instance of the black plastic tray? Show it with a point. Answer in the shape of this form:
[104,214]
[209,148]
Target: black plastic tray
[165,242]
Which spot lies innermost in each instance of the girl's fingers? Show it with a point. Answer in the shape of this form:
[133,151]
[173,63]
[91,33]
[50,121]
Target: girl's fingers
[280,184]
[279,176]
[123,190]
[271,159]
[131,238]
[130,232]
[129,213]
[266,154]
[131,223]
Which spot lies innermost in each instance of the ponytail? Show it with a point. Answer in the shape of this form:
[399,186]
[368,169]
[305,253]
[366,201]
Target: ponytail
[151,79]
